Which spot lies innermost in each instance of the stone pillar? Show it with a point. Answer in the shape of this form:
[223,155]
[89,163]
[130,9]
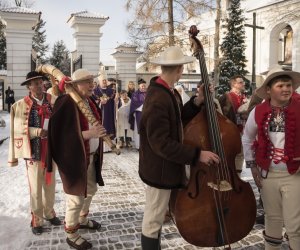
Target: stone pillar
[87,35]
[19,31]
[126,56]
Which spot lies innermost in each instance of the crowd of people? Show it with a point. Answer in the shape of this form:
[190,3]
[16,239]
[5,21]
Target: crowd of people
[151,118]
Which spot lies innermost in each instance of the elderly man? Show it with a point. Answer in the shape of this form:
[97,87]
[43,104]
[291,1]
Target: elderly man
[107,104]
[28,140]
[77,148]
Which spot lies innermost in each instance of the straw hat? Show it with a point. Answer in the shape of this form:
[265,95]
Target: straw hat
[32,75]
[275,71]
[172,56]
[81,75]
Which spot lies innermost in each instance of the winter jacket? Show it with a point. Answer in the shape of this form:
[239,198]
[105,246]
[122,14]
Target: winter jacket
[20,132]
[163,155]
[66,147]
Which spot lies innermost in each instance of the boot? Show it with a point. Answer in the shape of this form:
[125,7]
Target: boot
[150,243]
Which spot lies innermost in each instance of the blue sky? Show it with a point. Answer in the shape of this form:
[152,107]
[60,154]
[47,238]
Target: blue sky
[57,12]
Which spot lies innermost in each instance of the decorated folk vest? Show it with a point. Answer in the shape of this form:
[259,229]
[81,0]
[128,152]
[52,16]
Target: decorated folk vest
[264,148]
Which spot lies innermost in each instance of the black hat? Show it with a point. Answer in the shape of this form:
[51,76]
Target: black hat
[32,75]
[141,80]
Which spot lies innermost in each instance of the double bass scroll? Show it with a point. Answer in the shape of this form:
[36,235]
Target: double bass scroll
[216,208]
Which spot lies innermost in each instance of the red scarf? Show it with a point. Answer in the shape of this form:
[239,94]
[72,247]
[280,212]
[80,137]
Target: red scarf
[44,113]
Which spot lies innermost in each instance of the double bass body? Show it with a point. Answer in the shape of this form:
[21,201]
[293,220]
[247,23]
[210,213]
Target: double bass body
[215,209]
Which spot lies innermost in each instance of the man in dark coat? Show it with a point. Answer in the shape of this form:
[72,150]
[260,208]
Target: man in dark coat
[163,155]
[9,98]
[76,146]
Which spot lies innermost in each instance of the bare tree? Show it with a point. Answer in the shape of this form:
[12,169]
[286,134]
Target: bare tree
[24,3]
[155,23]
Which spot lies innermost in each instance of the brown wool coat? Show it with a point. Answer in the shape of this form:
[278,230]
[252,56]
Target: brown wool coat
[66,147]
[162,154]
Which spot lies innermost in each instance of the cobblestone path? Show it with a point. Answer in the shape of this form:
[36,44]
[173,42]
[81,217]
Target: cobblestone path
[119,207]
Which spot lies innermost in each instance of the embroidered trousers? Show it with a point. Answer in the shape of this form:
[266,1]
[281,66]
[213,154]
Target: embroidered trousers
[77,207]
[42,195]
[281,199]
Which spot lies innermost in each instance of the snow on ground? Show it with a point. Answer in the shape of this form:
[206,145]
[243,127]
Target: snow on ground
[108,205]
[14,198]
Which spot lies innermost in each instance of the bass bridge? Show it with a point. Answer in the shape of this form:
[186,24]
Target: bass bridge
[222,186]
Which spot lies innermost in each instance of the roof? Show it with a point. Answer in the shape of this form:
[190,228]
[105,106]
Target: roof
[87,14]
[126,45]
[126,48]
[126,52]
[21,10]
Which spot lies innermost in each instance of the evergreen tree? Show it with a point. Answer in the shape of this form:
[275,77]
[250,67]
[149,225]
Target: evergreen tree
[2,47]
[233,48]
[38,42]
[60,57]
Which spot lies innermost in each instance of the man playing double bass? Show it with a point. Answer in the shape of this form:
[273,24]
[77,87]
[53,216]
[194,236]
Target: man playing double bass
[163,155]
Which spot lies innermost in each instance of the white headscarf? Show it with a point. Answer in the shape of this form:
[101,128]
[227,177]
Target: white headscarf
[184,96]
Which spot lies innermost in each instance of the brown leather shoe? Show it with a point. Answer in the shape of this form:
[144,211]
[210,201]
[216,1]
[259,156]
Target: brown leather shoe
[55,221]
[95,225]
[37,230]
[83,246]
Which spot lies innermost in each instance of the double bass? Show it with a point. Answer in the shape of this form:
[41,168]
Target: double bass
[216,208]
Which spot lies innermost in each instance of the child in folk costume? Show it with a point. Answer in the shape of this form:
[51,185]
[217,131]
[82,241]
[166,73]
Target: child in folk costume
[271,143]
[28,140]
[124,133]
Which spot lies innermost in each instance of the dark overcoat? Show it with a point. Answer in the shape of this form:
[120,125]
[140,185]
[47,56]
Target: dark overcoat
[66,147]
[163,156]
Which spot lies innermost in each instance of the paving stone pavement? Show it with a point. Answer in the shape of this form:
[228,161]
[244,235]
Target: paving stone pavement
[119,207]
